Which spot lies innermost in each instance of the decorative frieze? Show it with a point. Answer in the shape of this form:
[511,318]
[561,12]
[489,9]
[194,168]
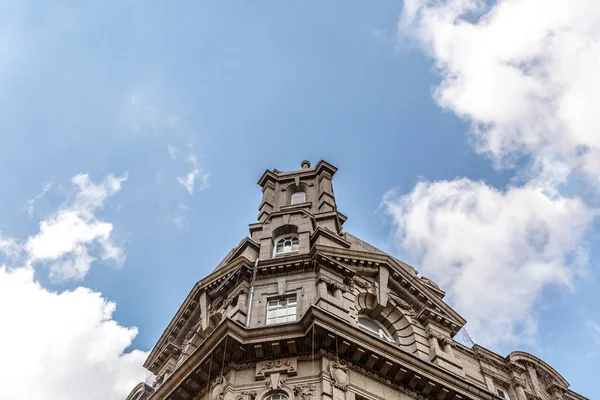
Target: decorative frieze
[241,366]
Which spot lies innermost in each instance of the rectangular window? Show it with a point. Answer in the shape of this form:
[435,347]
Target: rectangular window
[298,197]
[279,311]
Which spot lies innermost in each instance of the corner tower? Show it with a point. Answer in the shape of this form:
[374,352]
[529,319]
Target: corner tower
[302,310]
[296,205]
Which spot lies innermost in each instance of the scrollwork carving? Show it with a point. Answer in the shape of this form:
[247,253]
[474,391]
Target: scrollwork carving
[339,375]
[247,395]
[218,388]
[305,391]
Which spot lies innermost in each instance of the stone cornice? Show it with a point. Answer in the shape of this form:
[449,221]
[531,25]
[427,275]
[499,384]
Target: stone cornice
[346,260]
[330,235]
[320,167]
[191,301]
[316,318]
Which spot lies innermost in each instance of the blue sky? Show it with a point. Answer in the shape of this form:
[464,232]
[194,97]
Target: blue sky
[146,98]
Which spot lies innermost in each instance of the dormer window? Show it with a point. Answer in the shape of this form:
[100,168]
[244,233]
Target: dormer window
[374,328]
[286,244]
[298,197]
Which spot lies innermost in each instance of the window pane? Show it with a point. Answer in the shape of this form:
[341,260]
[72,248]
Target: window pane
[283,310]
[298,197]
[286,245]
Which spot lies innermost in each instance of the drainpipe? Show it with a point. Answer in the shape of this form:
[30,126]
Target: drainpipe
[251,293]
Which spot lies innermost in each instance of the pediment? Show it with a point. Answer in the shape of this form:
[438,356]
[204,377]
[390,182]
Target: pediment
[247,248]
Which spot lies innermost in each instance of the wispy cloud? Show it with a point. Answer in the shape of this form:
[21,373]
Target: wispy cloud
[180,219]
[173,151]
[594,330]
[196,179]
[31,202]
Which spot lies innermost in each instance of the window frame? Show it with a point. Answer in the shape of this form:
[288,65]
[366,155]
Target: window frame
[292,202]
[293,250]
[281,396]
[277,308]
[382,332]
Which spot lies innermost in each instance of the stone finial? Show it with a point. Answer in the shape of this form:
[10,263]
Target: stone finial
[305,164]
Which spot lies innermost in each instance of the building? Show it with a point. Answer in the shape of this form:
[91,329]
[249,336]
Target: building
[302,310]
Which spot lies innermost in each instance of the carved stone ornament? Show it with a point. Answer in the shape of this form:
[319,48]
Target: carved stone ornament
[191,332]
[339,375]
[334,285]
[365,284]
[402,304]
[218,388]
[287,366]
[274,382]
[373,375]
[216,305]
[443,340]
[305,391]
[241,366]
[248,395]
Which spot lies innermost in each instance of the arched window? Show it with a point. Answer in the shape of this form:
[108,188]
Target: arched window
[276,396]
[286,244]
[298,197]
[374,328]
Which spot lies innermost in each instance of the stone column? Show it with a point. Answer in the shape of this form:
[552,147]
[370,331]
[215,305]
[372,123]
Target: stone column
[520,392]
[337,292]
[322,288]
[434,346]
[517,382]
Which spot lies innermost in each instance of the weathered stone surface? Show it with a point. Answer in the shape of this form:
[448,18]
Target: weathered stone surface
[268,322]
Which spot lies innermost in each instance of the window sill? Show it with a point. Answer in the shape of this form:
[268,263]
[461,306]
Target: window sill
[289,253]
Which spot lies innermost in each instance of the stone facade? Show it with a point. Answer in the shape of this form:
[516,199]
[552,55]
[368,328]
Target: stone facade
[302,310]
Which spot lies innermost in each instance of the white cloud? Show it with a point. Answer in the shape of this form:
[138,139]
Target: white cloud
[180,219]
[66,237]
[173,151]
[493,251]
[195,175]
[62,345]
[594,329]
[527,80]
[31,202]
